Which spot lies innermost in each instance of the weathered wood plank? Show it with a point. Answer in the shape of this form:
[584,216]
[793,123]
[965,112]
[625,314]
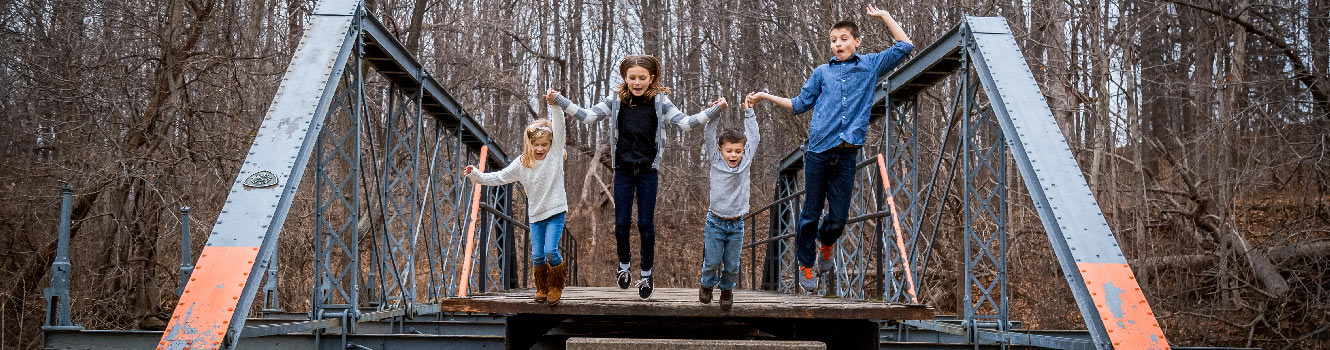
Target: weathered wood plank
[682,302]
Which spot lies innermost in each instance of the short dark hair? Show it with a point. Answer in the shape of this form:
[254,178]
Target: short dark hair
[732,136]
[847,25]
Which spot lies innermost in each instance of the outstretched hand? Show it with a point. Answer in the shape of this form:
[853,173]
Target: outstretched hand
[551,95]
[468,170]
[877,12]
[751,100]
[720,102]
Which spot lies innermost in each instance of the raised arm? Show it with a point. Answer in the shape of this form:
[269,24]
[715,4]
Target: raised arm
[686,122]
[560,131]
[709,137]
[751,133]
[892,26]
[586,115]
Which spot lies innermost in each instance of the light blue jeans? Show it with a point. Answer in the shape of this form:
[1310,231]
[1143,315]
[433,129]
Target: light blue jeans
[545,236]
[720,252]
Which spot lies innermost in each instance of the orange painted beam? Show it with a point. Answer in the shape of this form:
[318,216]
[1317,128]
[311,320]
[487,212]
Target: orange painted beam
[464,281]
[210,298]
[1122,306]
[896,224]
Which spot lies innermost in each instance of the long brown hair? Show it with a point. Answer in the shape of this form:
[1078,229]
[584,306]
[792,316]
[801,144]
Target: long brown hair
[652,65]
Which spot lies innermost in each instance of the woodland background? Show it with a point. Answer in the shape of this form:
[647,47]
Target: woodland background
[1202,127]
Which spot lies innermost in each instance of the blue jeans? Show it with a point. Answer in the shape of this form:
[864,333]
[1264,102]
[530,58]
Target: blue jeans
[545,236]
[828,180]
[641,186]
[720,252]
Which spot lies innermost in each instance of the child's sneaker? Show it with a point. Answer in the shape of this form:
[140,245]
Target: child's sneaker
[726,299]
[807,280]
[704,295]
[623,279]
[824,264]
[644,287]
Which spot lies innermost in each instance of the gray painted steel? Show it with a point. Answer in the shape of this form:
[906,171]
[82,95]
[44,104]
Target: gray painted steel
[928,67]
[1065,203]
[139,340]
[1020,118]
[186,257]
[578,343]
[991,337]
[436,100]
[57,293]
[270,296]
[340,32]
[255,210]
[1071,217]
[253,217]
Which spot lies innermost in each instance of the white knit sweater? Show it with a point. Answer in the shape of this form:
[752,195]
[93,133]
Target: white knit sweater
[545,195]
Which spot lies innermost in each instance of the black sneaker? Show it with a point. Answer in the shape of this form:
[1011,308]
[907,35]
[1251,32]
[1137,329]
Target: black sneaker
[623,279]
[644,287]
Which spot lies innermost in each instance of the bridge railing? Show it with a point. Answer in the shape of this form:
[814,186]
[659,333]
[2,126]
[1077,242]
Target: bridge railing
[998,121]
[871,246]
[368,135]
[395,226]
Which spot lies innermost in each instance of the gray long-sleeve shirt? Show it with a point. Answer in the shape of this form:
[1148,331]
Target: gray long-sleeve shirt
[730,186]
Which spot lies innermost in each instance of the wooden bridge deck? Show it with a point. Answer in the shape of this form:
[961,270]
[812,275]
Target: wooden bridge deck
[682,302]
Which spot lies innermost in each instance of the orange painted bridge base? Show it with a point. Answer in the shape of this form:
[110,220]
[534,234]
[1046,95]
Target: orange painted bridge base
[210,298]
[1122,307]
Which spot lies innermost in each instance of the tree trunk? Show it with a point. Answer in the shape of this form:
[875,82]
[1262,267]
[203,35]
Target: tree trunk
[413,29]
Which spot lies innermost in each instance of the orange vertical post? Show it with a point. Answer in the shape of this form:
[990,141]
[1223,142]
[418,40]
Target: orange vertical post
[896,224]
[464,281]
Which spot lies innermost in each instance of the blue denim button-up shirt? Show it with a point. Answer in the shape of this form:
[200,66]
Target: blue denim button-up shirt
[840,93]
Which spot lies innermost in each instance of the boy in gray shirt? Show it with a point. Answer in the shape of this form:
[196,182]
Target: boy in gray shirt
[729,156]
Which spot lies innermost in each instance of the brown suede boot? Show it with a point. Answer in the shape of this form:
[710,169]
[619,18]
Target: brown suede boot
[558,277]
[542,282]
[726,299]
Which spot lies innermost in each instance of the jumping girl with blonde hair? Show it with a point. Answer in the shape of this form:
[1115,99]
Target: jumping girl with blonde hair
[541,175]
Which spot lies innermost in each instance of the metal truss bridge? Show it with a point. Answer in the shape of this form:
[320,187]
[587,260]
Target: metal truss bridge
[406,250]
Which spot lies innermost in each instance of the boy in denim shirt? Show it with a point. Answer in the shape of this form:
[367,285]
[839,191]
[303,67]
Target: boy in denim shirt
[730,155]
[840,93]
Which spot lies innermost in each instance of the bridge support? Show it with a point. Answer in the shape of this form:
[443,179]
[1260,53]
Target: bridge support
[998,117]
[365,184]
[57,294]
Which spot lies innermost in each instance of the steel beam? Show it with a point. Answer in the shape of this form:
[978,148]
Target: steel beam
[136,340]
[212,309]
[928,67]
[186,257]
[391,56]
[1111,302]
